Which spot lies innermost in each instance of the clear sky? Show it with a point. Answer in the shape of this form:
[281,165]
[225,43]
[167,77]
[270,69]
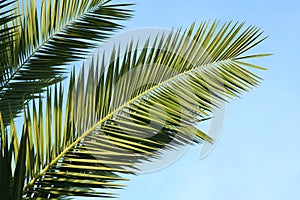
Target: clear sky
[257,156]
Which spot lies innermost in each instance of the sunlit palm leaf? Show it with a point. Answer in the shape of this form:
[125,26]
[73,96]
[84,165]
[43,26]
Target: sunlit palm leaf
[144,101]
[7,16]
[48,38]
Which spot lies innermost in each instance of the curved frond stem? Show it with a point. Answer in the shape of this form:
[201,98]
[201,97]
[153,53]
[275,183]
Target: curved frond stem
[78,140]
[148,102]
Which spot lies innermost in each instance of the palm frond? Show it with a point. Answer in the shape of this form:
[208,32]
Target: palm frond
[47,39]
[12,161]
[7,16]
[48,128]
[144,101]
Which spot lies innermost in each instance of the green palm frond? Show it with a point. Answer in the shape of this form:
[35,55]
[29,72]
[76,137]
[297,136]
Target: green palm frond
[12,161]
[7,16]
[46,39]
[127,110]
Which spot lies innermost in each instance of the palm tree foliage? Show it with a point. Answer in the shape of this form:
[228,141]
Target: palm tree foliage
[125,110]
[40,41]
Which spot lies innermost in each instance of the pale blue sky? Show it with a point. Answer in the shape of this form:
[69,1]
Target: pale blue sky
[257,157]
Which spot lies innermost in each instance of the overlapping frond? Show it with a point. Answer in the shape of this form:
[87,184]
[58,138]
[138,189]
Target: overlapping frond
[7,16]
[124,111]
[47,38]
[12,161]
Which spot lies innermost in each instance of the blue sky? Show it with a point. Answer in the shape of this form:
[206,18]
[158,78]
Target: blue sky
[257,156]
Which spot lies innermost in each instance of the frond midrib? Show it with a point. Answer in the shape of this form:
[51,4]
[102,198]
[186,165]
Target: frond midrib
[11,78]
[208,65]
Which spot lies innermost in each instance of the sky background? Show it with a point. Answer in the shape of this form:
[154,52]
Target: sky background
[257,156]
